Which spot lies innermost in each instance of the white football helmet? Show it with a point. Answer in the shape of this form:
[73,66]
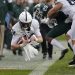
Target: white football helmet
[25,20]
[25,17]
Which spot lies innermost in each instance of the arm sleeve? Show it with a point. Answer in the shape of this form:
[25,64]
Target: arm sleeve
[35,27]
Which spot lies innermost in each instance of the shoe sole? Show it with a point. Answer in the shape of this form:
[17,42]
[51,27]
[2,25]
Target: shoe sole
[71,65]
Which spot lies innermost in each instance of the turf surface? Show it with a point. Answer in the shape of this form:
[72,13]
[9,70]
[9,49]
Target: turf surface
[14,72]
[61,67]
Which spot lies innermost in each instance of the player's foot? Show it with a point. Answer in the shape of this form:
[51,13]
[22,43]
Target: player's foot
[20,52]
[50,57]
[44,56]
[63,53]
[2,56]
[14,52]
[72,62]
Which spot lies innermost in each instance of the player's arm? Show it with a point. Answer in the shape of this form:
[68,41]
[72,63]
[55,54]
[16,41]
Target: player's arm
[39,39]
[37,33]
[54,10]
[15,46]
[18,43]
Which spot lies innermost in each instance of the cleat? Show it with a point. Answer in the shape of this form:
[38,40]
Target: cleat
[44,56]
[2,56]
[50,58]
[63,53]
[20,52]
[72,63]
[14,52]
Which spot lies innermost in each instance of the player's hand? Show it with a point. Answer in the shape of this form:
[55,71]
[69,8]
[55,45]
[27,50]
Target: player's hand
[45,20]
[24,42]
[33,38]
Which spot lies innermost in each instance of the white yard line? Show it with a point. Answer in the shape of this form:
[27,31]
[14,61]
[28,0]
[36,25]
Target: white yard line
[43,67]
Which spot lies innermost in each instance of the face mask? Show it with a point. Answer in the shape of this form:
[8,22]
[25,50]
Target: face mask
[25,26]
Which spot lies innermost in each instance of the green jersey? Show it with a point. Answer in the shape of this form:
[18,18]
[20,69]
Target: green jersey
[41,10]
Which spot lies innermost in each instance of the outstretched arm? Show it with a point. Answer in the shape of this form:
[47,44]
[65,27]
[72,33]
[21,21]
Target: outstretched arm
[54,10]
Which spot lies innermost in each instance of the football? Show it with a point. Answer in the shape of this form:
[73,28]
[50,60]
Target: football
[20,41]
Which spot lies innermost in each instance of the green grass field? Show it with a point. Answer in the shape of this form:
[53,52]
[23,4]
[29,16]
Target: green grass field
[62,37]
[61,67]
[14,72]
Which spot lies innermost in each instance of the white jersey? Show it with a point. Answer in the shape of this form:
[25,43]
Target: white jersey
[68,7]
[18,32]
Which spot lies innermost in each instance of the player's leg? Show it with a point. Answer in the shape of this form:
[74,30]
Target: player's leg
[44,30]
[57,31]
[44,48]
[69,40]
[50,50]
[72,35]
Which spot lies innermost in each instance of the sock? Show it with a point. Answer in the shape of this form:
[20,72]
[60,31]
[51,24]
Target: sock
[70,42]
[74,49]
[54,42]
